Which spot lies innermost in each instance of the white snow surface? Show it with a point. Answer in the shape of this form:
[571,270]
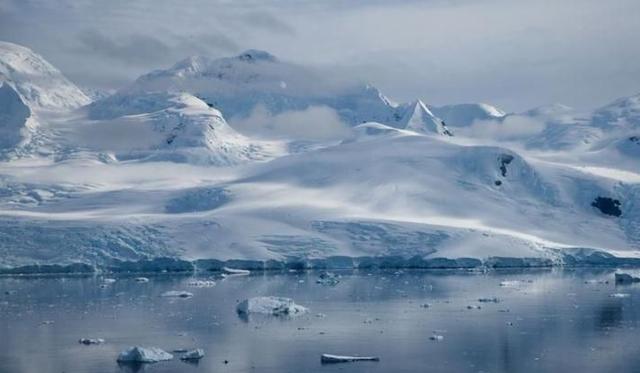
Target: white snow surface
[156,171]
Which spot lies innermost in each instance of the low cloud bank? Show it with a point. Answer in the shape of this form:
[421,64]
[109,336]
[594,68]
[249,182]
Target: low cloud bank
[312,123]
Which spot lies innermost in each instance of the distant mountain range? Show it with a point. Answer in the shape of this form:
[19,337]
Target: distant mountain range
[157,170]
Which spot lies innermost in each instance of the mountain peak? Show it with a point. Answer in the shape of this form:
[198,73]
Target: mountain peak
[253,55]
[192,64]
[37,82]
[624,111]
[419,118]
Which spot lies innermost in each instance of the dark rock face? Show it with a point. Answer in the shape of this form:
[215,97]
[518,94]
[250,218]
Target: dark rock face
[504,160]
[607,206]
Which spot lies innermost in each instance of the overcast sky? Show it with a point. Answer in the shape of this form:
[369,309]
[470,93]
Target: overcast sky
[511,53]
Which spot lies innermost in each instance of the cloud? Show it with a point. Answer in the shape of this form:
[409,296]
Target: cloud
[512,127]
[133,49]
[513,54]
[312,123]
[268,22]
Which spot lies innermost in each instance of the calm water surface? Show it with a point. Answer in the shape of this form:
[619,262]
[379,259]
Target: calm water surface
[556,321]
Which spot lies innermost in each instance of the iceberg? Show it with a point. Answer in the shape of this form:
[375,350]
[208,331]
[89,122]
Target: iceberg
[144,355]
[275,306]
[193,355]
[91,341]
[177,294]
[332,359]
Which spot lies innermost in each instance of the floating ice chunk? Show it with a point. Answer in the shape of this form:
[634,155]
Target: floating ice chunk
[202,283]
[141,279]
[328,279]
[143,355]
[91,341]
[331,359]
[108,280]
[233,271]
[271,306]
[625,278]
[177,294]
[510,283]
[620,295]
[489,300]
[192,355]
[473,307]
[436,337]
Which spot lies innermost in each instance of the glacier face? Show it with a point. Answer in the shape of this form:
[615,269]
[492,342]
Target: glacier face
[155,171]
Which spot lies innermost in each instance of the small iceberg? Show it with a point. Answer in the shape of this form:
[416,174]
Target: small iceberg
[144,355]
[202,283]
[141,279]
[332,359]
[235,272]
[625,278]
[91,341]
[510,283]
[620,295]
[489,300]
[177,294]
[328,279]
[275,306]
[436,337]
[193,355]
[108,280]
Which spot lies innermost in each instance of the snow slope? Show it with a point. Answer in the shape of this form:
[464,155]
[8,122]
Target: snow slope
[153,176]
[175,127]
[38,83]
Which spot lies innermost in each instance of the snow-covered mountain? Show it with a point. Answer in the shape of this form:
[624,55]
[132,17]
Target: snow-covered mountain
[38,83]
[167,126]
[235,85]
[464,115]
[419,118]
[155,171]
[624,112]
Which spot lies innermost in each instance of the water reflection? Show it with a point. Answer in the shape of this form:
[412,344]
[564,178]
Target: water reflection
[544,321]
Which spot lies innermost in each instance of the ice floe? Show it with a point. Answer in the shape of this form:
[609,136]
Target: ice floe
[193,355]
[328,279]
[91,341]
[276,306]
[331,359]
[235,272]
[177,294]
[202,283]
[625,278]
[143,355]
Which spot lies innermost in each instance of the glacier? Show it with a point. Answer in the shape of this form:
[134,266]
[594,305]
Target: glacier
[154,178]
